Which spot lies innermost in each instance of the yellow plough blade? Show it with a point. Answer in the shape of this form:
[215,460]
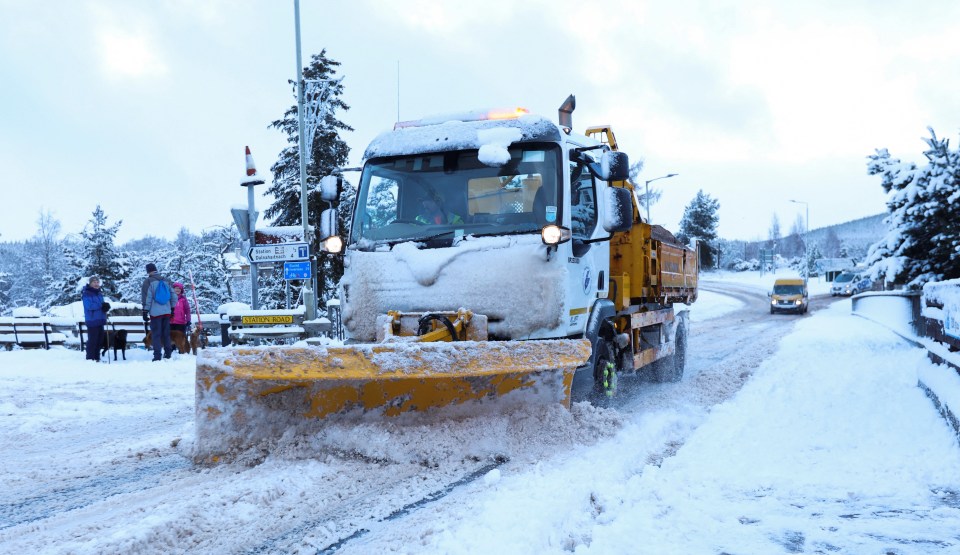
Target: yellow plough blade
[246,395]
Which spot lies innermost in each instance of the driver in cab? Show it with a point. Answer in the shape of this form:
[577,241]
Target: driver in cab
[433,211]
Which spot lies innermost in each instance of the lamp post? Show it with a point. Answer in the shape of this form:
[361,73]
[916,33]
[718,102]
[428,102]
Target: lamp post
[806,240]
[309,296]
[646,197]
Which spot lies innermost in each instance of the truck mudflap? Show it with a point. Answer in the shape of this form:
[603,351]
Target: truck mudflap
[245,396]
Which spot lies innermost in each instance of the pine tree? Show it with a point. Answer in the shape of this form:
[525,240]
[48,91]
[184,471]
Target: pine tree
[100,254]
[810,260]
[923,242]
[329,153]
[700,221]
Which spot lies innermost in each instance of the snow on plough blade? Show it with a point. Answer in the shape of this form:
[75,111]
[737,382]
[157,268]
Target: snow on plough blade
[247,395]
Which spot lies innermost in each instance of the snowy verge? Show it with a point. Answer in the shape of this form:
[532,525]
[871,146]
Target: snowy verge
[940,382]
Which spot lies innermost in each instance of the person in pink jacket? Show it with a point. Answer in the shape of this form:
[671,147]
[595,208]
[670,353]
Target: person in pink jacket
[181,311]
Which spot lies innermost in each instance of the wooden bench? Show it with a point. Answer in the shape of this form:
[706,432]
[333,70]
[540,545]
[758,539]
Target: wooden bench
[210,326]
[273,325]
[135,327]
[29,333]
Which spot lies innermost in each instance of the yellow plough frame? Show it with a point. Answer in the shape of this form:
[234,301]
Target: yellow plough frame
[246,395]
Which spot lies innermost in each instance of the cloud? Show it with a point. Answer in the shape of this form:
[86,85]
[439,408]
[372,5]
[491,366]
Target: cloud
[129,54]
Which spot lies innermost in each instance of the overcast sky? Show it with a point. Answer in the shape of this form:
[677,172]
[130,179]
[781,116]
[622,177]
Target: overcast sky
[145,106]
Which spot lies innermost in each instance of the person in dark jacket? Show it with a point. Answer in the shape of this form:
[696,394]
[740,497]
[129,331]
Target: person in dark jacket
[94,316]
[157,313]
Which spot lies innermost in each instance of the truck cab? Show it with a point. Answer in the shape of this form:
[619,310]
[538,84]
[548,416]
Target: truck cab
[789,295]
[507,216]
[522,222]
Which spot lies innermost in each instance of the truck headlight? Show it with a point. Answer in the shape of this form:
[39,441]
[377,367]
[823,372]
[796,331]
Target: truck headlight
[333,244]
[554,234]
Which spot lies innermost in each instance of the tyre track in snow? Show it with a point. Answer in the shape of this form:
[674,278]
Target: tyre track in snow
[79,493]
[357,515]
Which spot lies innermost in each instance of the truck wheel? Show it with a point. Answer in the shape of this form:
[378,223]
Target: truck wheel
[604,375]
[670,369]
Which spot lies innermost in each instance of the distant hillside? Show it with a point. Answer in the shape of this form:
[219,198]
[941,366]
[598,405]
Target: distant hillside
[860,233]
[850,240]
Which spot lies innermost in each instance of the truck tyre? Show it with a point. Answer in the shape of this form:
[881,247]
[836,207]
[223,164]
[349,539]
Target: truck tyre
[670,369]
[604,375]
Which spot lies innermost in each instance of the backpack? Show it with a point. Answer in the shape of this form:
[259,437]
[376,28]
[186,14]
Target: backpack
[162,294]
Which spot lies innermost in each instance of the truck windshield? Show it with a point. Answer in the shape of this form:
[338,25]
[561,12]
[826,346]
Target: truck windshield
[443,195]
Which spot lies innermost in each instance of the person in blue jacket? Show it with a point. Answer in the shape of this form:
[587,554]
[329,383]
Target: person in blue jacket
[94,316]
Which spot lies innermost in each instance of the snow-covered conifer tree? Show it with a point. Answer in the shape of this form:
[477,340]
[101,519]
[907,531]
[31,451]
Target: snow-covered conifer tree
[923,239]
[699,222]
[328,153]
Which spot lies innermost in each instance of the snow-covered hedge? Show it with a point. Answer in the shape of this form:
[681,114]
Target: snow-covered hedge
[941,301]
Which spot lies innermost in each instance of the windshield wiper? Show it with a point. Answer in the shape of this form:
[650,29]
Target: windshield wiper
[433,237]
[513,232]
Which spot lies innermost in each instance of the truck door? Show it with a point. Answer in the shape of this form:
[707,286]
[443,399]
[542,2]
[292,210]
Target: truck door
[590,261]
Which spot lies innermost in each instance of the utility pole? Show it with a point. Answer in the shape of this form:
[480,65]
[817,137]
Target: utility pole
[309,296]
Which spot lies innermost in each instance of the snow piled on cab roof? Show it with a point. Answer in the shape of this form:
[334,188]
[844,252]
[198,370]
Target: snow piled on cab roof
[457,135]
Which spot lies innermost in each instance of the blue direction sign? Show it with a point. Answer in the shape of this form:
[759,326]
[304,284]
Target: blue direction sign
[297,270]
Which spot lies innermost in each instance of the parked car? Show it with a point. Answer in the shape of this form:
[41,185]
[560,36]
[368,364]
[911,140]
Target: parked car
[863,283]
[789,295]
[844,284]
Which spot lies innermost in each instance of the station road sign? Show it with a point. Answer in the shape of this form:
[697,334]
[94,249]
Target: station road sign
[279,252]
[297,270]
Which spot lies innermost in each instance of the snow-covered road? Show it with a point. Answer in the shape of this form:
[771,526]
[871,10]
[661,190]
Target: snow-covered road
[786,435]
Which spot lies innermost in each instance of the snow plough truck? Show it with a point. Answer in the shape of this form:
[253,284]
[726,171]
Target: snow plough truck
[494,258]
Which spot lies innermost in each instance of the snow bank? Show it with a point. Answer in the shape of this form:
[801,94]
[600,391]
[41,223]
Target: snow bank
[891,309]
[830,447]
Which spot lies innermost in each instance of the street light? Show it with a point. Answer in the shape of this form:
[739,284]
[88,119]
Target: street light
[309,296]
[647,194]
[806,240]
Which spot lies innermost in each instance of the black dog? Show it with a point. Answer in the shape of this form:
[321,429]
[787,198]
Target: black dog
[115,339]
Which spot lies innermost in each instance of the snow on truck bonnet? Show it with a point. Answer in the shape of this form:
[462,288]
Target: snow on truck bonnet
[497,273]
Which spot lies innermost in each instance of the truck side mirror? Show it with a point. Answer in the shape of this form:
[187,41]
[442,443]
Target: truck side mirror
[330,188]
[614,166]
[618,215]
